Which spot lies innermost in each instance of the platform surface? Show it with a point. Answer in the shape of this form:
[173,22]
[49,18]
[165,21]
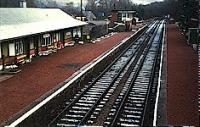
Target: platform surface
[44,73]
[182,80]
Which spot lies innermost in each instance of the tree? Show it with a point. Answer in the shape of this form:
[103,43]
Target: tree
[71,9]
[15,3]
[105,6]
[9,3]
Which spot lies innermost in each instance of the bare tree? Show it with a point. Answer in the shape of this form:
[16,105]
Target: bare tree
[105,6]
[71,9]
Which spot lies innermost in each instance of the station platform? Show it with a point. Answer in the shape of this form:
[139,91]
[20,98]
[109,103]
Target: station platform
[182,80]
[44,73]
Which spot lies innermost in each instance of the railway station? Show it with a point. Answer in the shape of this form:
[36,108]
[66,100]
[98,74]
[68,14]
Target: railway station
[99,63]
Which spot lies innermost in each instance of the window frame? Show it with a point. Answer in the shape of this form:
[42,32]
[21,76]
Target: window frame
[42,42]
[19,47]
[48,41]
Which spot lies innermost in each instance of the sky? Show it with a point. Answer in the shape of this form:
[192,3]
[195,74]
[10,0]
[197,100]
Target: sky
[134,1]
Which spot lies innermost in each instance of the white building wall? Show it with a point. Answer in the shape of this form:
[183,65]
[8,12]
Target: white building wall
[1,66]
[31,44]
[0,52]
[22,4]
[11,49]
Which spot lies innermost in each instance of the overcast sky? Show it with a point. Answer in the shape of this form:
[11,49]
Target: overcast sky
[135,1]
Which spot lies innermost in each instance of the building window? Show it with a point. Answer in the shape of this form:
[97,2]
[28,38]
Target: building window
[31,44]
[124,15]
[48,40]
[77,31]
[42,42]
[19,47]
[57,37]
[68,35]
[54,37]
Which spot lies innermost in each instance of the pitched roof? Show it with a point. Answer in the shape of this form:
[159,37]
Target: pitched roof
[90,15]
[123,11]
[99,22]
[17,22]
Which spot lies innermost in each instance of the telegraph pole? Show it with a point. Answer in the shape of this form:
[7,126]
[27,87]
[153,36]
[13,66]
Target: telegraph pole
[81,20]
[81,9]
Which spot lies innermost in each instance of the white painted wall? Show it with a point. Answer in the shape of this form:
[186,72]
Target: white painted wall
[137,19]
[23,4]
[11,49]
[1,66]
[31,45]
[0,51]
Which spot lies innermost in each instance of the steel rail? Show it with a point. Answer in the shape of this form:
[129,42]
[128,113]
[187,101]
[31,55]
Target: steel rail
[133,80]
[159,79]
[152,73]
[92,109]
[75,100]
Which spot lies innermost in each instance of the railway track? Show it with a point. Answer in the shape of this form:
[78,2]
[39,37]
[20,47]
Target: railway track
[131,105]
[123,94]
[120,94]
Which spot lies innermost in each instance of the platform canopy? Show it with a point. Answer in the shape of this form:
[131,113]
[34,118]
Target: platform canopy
[19,22]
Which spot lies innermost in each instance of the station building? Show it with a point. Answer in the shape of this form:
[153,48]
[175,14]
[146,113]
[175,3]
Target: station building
[123,16]
[29,32]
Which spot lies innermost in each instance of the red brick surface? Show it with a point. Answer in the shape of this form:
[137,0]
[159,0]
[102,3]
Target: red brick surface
[45,73]
[182,83]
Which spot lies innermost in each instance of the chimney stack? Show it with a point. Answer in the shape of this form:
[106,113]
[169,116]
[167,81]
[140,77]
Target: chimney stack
[22,3]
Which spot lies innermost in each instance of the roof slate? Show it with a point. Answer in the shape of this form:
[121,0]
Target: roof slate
[17,22]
